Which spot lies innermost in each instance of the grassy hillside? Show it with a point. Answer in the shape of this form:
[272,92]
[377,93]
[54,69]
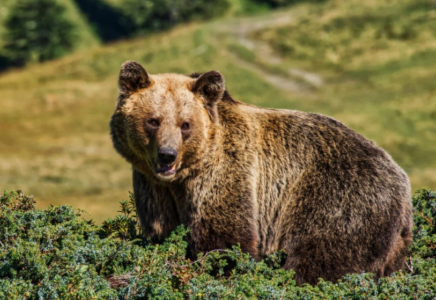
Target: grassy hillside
[378,60]
[55,139]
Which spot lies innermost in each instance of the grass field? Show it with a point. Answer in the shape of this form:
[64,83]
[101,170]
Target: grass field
[55,141]
[378,60]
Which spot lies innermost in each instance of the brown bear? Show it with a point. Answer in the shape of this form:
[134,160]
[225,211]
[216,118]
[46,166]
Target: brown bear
[268,179]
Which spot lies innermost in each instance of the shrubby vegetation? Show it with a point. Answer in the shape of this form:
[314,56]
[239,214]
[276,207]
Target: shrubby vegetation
[55,254]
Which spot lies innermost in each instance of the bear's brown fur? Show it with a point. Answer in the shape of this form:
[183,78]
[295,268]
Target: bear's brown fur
[267,179]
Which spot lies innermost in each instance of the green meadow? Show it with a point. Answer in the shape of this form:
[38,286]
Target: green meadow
[378,60]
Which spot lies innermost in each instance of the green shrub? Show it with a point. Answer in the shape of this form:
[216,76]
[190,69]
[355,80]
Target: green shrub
[55,254]
[424,235]
[37,30]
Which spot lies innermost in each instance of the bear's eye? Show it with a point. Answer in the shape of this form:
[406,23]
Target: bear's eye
[153,122]
[186,126]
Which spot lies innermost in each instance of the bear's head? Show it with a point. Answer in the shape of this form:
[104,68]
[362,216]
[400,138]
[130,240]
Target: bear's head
[162,123]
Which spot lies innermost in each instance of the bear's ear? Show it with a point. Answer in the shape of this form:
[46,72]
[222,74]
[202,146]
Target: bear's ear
[211,86]
[133,77]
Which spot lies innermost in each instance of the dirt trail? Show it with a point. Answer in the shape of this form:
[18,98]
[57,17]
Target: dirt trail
[299,81]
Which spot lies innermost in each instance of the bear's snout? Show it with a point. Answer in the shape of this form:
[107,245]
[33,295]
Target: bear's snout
[167,155]
[166,158]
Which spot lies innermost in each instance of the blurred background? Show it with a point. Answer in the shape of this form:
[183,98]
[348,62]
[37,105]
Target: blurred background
[370,64]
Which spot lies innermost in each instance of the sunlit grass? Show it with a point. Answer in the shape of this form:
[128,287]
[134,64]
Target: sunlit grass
[379,62]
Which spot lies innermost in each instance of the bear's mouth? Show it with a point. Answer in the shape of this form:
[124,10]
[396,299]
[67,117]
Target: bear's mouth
[165,170]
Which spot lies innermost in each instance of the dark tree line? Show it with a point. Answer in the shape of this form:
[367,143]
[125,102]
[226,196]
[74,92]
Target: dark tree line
[39,30]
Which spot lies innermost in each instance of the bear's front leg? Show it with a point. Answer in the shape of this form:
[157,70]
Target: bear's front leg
[155,208]
[223,225]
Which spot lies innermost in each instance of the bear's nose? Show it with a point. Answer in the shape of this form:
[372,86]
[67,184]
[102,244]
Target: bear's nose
[167,155]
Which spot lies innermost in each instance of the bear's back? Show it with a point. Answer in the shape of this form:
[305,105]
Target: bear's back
[303,138]
[316,177]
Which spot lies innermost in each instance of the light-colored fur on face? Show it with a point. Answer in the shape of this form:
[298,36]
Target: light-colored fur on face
[169,100]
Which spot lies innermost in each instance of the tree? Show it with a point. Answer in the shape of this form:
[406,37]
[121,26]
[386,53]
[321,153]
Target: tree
[37,30]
